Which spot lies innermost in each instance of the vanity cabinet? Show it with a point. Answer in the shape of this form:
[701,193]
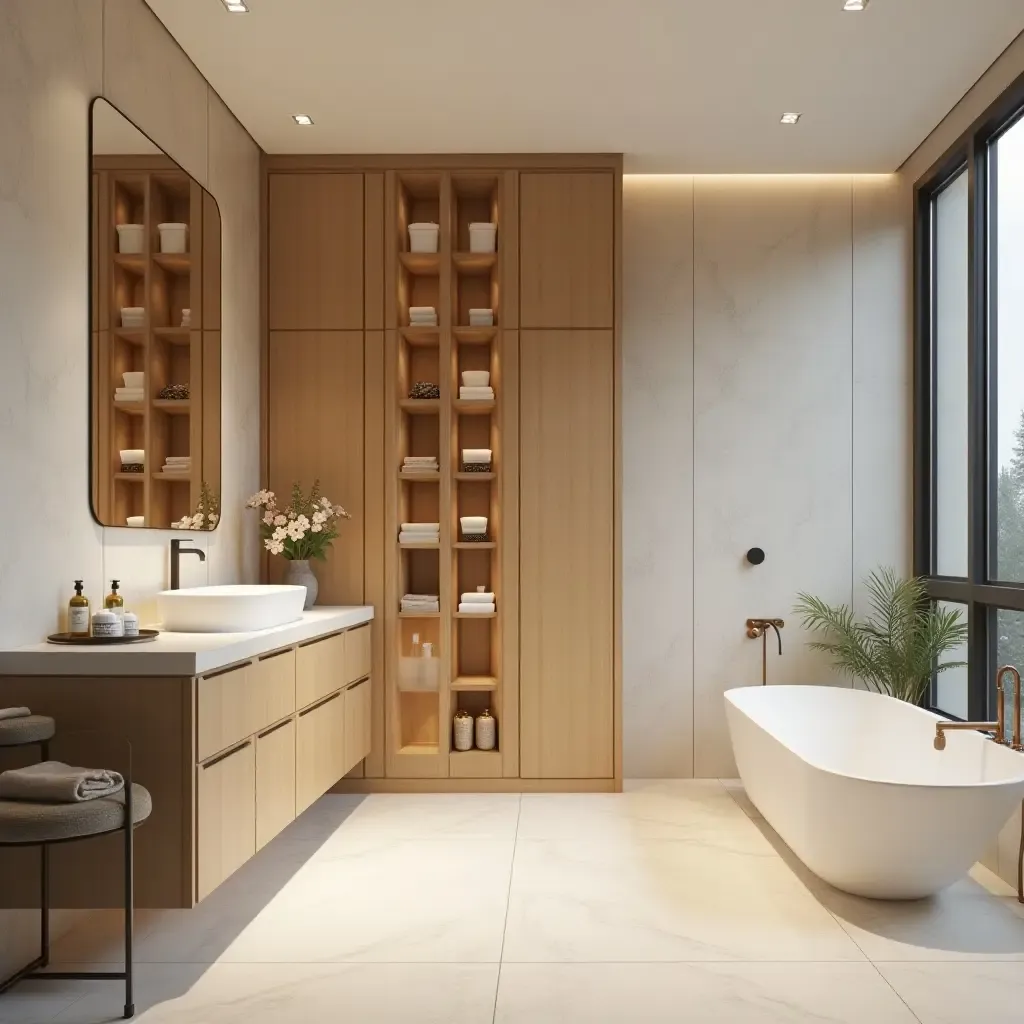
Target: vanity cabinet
[225,815]
[275,780]
[320,749]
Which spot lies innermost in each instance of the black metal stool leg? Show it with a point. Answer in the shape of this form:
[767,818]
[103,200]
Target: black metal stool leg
[44,905]
[129,903]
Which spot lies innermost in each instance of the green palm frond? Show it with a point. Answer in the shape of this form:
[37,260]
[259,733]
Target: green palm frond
[900,644]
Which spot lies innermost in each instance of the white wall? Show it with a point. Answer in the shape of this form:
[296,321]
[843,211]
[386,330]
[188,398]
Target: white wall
[55,56]
[766,394]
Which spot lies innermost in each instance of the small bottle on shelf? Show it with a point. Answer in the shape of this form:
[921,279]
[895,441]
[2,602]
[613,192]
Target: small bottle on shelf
[115,603]
[415,650]
[78,612]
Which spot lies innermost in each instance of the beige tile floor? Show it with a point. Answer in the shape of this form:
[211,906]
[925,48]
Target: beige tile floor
[670,902]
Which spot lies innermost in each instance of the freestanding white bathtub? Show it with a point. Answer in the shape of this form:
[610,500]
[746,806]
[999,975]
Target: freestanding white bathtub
[852,783]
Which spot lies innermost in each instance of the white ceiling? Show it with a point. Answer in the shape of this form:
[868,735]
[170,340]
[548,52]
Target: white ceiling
[677,85]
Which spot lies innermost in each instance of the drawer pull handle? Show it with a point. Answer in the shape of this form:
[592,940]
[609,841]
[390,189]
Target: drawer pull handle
[358,682]
[227,754]
[274,728]
[316,707]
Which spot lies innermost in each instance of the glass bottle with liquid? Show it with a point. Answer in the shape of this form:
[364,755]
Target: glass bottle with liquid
[78,612]
[115,603]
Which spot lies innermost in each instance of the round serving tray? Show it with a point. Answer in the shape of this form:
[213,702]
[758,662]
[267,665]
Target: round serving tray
[145,635]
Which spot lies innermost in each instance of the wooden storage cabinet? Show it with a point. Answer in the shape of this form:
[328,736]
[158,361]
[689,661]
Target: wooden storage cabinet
[357,723]
[275,781]
[320,669]
[225,711]
[319,749]
[225,816]
[272,682]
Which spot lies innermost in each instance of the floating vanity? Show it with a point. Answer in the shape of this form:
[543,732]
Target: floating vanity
[234,734]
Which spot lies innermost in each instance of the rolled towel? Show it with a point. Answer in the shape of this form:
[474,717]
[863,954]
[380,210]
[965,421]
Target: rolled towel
[476,378]
[476,455]
[54,782]
[6,713]
[469,608]
[477,597]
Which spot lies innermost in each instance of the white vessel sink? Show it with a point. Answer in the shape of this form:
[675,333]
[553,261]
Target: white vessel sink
[229,609]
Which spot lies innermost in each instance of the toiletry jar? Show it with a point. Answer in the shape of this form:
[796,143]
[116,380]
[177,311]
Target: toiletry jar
[133,316]
[130,237]
[482,236]
[173,237]
[423,237]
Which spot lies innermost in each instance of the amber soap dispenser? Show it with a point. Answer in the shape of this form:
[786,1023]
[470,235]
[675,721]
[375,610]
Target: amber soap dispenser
[115,602]
[78,612]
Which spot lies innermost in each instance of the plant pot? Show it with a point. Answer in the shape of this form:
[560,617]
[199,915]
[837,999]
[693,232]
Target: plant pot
[300,575]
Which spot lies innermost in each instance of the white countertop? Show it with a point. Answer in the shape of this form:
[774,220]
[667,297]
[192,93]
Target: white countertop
[176,654]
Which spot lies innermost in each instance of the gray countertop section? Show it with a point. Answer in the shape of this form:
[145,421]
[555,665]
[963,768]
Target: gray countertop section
[177,654]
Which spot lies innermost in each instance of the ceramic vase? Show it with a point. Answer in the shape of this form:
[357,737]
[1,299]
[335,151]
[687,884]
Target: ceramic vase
[300,575]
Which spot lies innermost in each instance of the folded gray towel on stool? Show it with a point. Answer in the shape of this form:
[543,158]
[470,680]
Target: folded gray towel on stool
[53,782]
[14,713]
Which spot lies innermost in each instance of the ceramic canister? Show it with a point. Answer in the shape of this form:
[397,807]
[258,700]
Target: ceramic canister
[463,731]
[486,731]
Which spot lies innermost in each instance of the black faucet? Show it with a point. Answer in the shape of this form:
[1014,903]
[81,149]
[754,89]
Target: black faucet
[176,552]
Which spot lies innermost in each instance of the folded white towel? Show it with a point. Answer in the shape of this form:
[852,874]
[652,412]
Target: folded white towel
[476,597]
[469,608]
[419,471]
[479,522]
[420,527]
[178,458]
[476,393]
[419,538]
[422,309]
[423,321]
[130,391]
[419,460]
[6,713]
[481,311]
[476,454]
[421,606]
[476,378]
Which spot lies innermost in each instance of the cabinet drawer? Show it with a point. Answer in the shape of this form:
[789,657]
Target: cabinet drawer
[319,749]
[319,669]
[225,816]
[357,653]
[272,688]
[357,724]
[275,781]
[224,711]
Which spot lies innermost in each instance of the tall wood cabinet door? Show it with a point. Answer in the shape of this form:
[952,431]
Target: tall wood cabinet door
[275,781]
[315,251]
[225,815]
[319,749]
[566,580]
[567,249]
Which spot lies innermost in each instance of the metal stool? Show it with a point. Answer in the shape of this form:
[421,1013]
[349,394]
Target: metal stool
[25,823]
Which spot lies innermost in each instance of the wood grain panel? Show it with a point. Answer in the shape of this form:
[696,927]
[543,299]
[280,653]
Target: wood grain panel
[566,554]
[224,710]
[315,251]
[315,430]
[272,682]
[275,781]
[357,723]
[566,247]
[225,816]
[319,750]
[358,653]
[319,669]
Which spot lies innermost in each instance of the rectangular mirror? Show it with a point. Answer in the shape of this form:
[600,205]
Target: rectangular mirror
[155,335]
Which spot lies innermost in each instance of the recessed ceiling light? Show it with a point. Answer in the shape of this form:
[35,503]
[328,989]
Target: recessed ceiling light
[855,5]
[236,6]
[790,118]
[302,119]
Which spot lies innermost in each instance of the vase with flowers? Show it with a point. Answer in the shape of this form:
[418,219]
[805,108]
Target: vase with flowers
[301,531]
[207,514]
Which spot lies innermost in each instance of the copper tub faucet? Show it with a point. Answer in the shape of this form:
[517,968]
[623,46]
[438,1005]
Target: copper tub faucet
[998,727]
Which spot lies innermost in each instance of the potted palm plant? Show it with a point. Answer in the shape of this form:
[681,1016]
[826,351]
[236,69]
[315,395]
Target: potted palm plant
[900,644]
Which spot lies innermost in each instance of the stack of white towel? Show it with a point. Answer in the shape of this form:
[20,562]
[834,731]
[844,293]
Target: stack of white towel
[481,318]
[478,602]
[476,460]
[422,316]
[178,464]
[422,604]
[476,386]
[420,533]
[134,389]
[413,464]
[473,527]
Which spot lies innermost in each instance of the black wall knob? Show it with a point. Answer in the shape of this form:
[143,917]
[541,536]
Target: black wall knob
[755,556]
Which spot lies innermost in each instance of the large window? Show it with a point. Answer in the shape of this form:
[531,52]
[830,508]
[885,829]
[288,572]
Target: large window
[969,437]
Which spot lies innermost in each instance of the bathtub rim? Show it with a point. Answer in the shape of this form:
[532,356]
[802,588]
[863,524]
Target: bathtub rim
[932,716]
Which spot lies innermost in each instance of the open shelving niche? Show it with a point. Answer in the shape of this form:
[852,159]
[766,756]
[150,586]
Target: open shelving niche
[163,284]
[468,647]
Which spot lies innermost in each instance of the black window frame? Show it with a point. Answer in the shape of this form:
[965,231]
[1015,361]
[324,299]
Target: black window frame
[980,594]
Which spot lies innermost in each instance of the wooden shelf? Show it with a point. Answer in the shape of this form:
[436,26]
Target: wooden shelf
[131,478]
[475,615]
[177,478]
[173,406]
[174,262]
[425,264]
[419,750]
[469,684]
[132,335]
[419,615]
[474,262]
[133,262]
[474,477]
[421,478]
[421,406]
[173,335]
[131,408]
[422,337]
[474,406]
[470,545]
[474,335]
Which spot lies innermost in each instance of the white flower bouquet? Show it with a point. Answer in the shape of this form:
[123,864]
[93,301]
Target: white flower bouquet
[303,530]
[207,513]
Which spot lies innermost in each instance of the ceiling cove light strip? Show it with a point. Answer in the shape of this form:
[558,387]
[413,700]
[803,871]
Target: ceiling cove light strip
[236,6]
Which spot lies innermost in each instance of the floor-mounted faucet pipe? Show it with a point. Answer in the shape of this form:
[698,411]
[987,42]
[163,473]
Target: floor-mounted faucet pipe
[757,629]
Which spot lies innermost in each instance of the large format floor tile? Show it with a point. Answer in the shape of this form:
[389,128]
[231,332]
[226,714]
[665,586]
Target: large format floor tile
[662,900]
[286,993]
[949,993]
[705,993]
